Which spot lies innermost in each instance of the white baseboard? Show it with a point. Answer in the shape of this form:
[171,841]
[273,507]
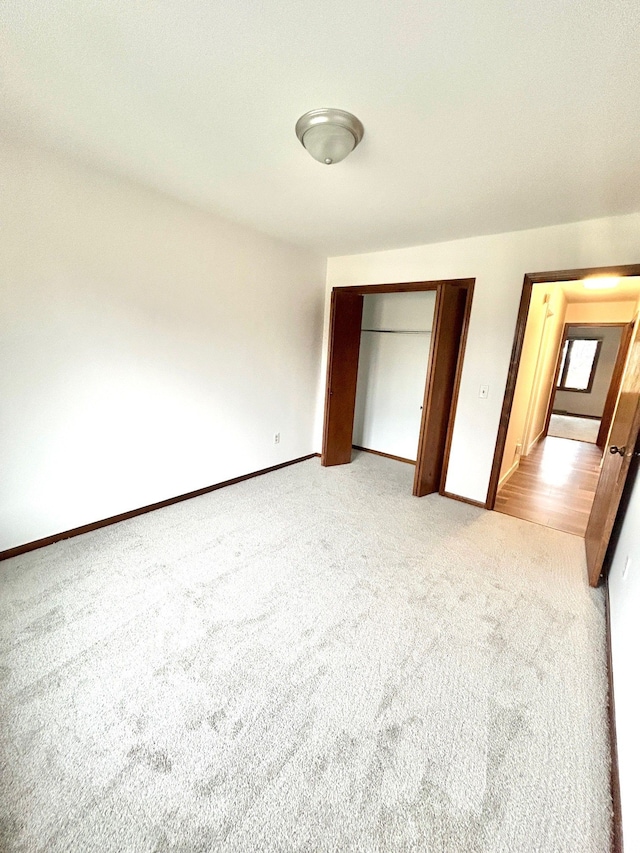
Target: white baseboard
[508,473]
[533,443]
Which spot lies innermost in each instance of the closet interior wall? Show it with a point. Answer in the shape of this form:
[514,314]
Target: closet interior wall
[393,365]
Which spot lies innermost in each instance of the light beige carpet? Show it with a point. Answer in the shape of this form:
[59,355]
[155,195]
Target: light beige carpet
[313,660]
[569,426]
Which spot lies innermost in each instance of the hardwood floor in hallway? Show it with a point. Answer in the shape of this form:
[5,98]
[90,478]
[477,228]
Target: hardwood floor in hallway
[554,485]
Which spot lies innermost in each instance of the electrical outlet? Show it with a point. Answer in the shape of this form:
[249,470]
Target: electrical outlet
[625,571]
[276,438]
[484,392]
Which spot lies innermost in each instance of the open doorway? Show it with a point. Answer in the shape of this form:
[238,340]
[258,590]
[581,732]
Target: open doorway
[587,378]
[572,344]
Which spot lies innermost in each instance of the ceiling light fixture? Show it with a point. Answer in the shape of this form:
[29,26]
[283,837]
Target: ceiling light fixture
[600,282]
[329,135]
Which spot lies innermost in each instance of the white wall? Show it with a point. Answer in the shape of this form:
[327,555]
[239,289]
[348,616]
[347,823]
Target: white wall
[579,402]
[498,263]
[624,593]
[543,332]
[392,371]
[601,312]
[546,367]
[148,348]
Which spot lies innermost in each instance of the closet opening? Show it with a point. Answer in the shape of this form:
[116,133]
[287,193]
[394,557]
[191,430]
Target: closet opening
[394,367]
[395,344]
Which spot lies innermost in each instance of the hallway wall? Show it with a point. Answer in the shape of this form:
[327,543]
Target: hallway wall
[545,323]
[545,374]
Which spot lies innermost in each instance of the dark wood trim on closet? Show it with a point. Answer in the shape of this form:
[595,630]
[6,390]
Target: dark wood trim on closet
[123,516]
[403,287]
[462,500]
[530,279]
[342,376]
[456,391]
[439,404]
[386,455]
[448,340]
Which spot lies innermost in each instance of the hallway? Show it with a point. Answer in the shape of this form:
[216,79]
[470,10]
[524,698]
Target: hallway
[554,485]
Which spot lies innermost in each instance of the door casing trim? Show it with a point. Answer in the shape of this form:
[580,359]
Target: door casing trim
[411,287]
[516,352]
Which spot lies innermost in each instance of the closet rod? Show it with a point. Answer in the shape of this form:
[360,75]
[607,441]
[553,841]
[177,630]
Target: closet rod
[399,331]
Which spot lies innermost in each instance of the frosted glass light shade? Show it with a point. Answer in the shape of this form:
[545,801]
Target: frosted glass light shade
[329,135]
[328,143]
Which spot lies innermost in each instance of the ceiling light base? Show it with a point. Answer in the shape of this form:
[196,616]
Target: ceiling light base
[329,135]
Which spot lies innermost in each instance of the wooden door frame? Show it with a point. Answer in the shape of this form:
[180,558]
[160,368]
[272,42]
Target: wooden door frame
[342,375]
[448,340]
[614,386]
[438,286]
[530,279]
[616,376]
[625,431]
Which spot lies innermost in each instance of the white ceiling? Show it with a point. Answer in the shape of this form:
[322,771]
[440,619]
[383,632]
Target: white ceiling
[627,290]
[479,117]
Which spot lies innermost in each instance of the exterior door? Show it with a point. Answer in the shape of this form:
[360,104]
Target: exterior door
[615,467]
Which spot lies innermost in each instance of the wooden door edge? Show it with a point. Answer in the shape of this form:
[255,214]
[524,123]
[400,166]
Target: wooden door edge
[428,392]
[327,390]
[601,566]
[596,575]
[626,337]
[448,300]
[345,325]
[466,320]
[509,392]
